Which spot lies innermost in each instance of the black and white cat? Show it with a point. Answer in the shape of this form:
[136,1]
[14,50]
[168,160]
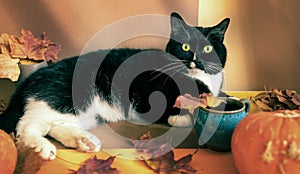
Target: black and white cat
[68,97]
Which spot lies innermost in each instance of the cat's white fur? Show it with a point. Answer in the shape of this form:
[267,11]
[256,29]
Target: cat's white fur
[214,84]
[40,119]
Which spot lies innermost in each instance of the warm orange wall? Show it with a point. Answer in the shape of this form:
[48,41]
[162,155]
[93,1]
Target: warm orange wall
[263,41]
[263,38]
[73,22]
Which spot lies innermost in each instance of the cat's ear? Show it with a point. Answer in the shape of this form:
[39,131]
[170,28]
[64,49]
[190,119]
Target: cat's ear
[218,31]
[178,26]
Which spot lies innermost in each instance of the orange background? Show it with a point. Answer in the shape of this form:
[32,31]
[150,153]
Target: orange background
[262,40]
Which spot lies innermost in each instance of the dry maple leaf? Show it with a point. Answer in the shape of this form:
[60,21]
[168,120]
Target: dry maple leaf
[97,166]
[204,100]
[167,164]
[164,163]
[27,46]
[52,49]
[4,38]
[51,52]
[189,102]
[276,99]
[25,49]
[8,67]
[154,146]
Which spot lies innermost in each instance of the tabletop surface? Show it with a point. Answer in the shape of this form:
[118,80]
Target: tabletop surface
[205,160]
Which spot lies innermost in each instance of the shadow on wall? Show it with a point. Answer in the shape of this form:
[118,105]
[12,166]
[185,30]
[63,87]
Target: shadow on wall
[34,16]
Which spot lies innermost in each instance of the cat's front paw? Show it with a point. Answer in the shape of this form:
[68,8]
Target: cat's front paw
[46,150]
[180,120]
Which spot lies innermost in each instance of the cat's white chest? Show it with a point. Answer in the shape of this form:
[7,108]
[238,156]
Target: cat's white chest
[213,82]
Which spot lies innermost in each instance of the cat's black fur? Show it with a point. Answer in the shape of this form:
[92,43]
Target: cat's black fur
[56,86]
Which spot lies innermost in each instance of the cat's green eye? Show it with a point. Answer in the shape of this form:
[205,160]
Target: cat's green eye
[208,49]
[186,47]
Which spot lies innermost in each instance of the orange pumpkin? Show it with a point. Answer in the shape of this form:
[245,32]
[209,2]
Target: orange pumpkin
[268,142]
[8,154]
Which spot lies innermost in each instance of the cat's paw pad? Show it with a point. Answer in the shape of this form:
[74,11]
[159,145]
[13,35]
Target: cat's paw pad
[88,145]
[180,120]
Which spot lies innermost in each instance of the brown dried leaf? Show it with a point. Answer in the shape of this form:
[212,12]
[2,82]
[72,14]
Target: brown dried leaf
[27,46]
[51,52]
[281,98]
[277,92]
[145,136]
[4,39]
[167,164]
[155,146]
[263,106]
[27,62]
[95,165]
[163,163]
[52,49]
[296,99]
[8,66]
[277,100]
[290,93]
[187,101]
[191,103]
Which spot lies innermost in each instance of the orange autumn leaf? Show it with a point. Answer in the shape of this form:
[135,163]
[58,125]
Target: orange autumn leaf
[94,165]
[4,38]
[8,67]
[204,100]
[27,46]
[52,51]
[165,162]
[24,49]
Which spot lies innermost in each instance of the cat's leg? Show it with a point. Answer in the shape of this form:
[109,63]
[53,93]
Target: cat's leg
[31,133]
[73,136]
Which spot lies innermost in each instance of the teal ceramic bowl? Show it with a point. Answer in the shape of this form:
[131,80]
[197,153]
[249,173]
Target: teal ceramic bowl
[215,126]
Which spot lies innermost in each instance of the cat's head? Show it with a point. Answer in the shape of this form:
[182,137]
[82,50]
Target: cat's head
[198,48]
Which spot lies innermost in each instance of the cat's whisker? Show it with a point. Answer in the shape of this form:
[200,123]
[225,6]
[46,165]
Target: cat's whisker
[170,64]
[213,68]
[214,65]
[177,71]
[179,60]
[162,70]
[165,70]
[175,59]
